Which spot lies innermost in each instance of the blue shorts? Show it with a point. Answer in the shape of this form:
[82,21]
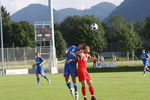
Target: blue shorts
[39,70]
[70,69]
[145,63]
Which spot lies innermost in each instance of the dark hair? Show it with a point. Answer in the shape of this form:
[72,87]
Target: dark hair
[37,53]
[84,45]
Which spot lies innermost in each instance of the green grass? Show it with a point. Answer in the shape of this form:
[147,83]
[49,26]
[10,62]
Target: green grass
[108,86]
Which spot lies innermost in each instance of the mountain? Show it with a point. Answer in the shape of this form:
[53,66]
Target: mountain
[38,12]
[133,10]
[101,10]
[31,13]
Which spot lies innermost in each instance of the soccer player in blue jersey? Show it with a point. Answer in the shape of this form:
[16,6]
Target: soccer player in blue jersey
[70,68]
[145,58]
[39,68]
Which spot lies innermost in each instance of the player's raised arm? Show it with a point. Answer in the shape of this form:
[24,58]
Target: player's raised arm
[78,52]
[71,60]
[70,49]
[92,58]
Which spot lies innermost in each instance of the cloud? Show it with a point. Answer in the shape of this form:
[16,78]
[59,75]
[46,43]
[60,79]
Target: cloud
[82,7]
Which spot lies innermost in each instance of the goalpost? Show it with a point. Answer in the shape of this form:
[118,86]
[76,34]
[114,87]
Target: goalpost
[2,48]
[53,63]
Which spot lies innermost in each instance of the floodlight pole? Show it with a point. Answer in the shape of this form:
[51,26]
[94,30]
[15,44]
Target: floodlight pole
[2,48]
[50,5]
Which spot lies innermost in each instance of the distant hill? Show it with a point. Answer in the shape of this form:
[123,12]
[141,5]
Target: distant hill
[31,13]
[38,12]
[133,10]
[101,10]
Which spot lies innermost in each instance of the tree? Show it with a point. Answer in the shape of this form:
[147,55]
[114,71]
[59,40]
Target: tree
[23,34]
[139,27]
[7,28]
[146,32]
[122,34]
[29,29]
[60,44]
[77,30]
[5,15]
[19,34]
[7,34]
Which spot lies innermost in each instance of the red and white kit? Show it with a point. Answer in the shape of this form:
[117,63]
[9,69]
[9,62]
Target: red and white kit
[82,67]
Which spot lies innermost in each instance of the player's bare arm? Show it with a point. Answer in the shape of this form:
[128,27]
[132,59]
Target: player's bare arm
[92,58]
[71,60]
[79,52]
[66,51]
[42,63]
[33,66]
[148,57]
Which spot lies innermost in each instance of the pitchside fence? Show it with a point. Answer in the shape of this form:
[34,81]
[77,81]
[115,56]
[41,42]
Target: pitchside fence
[114,59]
[17,58]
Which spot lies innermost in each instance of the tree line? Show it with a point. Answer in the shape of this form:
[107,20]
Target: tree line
[117,34]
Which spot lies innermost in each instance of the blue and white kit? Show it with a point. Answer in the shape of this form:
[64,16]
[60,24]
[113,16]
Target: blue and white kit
[70,69]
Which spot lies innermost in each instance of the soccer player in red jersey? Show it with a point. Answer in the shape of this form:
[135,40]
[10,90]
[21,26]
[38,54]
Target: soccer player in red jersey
[82,72]
[84,77]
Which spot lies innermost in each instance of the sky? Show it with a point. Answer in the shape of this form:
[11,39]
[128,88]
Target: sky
[14,5]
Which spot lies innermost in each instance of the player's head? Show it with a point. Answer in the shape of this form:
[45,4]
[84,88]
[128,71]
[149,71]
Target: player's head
[87,49]
[37,54]
[82,46]
[143,51]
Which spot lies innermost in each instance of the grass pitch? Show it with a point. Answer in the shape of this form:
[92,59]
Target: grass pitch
[108,86]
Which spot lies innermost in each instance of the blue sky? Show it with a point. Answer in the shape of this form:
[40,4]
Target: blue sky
[15,5]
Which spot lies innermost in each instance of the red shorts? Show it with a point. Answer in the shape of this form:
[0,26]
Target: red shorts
[83,75]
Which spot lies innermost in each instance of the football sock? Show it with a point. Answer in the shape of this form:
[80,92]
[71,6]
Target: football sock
[91,89]
[144,71]
[84,91]
[38,80]
[69,85]
[76,87]
[148,70]
[85,98]
[46,77]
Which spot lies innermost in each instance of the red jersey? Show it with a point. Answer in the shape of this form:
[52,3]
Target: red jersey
[82,61]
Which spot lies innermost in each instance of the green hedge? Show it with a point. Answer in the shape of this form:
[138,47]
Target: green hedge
[116,69]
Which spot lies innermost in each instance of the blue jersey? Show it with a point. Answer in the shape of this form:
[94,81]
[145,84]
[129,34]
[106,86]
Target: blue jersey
[71,52]
[39,60]
[144,57]
[71,67]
